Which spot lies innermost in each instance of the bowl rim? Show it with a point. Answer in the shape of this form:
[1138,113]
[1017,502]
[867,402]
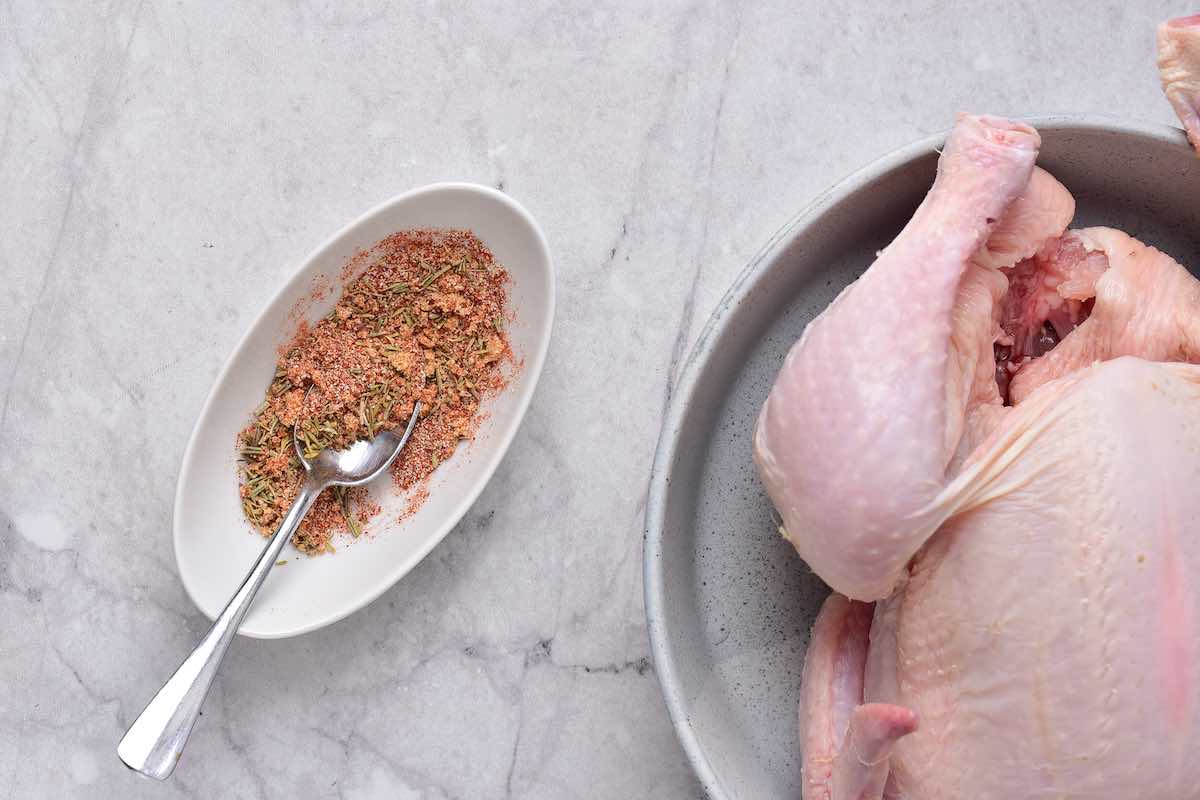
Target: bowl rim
[532,367]
[665,665]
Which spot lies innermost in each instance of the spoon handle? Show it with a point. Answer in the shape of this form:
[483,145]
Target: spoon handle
[155,741]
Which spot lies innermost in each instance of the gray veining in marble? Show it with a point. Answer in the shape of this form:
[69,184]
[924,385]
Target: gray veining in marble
[163,166]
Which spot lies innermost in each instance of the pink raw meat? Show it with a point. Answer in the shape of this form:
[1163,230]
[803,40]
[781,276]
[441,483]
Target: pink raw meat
[1179,69]
[858,521]
[1033,564]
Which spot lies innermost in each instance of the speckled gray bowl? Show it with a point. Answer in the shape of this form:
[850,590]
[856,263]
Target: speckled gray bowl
[728,602]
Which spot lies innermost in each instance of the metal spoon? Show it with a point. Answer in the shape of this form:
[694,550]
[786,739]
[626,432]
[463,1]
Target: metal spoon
[155,740]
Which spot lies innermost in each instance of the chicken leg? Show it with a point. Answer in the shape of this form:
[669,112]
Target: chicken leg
[857,436]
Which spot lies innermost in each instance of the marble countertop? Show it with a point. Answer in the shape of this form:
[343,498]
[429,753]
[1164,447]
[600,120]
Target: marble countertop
[164,166]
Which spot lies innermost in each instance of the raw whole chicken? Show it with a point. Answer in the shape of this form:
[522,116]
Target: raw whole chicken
[989,447]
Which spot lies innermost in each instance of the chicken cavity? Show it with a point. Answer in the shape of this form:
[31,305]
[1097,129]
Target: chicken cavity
[1048,296]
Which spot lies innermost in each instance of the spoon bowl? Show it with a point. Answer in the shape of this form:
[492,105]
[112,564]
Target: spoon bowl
[361,462]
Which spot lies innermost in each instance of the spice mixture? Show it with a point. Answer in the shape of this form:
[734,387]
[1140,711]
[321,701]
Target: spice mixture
[424,321]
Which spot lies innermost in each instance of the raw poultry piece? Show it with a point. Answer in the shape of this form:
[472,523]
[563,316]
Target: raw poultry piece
[868,410]
[1179,68]
[1034,563]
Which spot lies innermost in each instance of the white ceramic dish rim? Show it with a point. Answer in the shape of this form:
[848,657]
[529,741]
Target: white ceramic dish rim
[681,401]
[532,367]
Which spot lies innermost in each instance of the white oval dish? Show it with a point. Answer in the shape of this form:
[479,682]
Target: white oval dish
[214,545]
